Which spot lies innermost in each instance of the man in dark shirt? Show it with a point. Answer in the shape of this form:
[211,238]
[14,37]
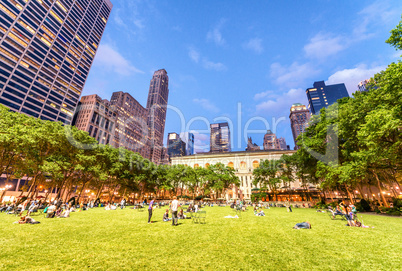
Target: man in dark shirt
[150,210]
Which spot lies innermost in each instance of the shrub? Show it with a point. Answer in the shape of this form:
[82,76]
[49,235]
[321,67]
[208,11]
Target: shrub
[363,206]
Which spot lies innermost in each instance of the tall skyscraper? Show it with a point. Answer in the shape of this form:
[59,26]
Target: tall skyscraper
[271,142]
[176,147]
[220,137]
[97,117]
[46,51]
[282,143]
[157,105]
[299,117]
[190,143]
[322,96]
[132,131]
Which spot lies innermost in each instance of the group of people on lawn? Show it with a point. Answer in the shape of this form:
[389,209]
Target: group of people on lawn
[349,212]
[174,209]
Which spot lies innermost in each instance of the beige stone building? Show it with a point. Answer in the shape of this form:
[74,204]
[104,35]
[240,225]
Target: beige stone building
[243,162]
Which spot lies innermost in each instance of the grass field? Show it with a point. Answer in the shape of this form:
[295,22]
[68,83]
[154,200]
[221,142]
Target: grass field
[122,240]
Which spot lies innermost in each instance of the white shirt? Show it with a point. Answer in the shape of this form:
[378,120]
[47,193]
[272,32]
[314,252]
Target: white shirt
[175,205]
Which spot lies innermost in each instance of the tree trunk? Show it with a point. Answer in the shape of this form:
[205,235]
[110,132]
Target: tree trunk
[349,195]
[99,191]
[31,187]
[379,188]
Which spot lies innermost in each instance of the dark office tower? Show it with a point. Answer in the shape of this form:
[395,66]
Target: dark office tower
[176,147]
[299,117]
[190,143]
[132,130]
[46,51]
[322,96]
[157,105]
[220,137]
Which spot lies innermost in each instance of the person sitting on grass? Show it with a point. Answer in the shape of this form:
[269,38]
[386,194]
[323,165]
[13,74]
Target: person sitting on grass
[166,216]
[349,217]
[51,211]
[27,220]
[65,213]
[181,215]
[260,213]
[3,207]
[302,225]
[58,211]
[337,211]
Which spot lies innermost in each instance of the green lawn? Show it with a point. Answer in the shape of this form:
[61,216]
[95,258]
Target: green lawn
[122,240]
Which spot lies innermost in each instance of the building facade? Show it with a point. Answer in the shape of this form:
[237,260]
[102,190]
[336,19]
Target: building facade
[242,162]
[271,142]
[157,106]
[320,95]
[282,143]
[252,146]
[299,118]
[46,51]
[97,117]
[220,137]
[176,147]
[132,131]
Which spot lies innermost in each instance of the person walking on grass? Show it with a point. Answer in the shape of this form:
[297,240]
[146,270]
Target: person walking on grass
[174,207]
[150,211]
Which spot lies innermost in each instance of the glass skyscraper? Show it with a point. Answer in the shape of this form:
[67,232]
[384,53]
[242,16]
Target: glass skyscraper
[46,51]
[322,96]
[220,137]
[175,146]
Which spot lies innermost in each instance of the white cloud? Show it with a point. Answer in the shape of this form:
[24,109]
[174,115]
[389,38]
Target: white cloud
[194,54]
[117,18]
[207,105]
[215,34]
[280,105]
[378,13]
[323,45]
[293,75]
[254,45]
[351,77]
[268,93]
[217,66]
[111,60]
[139,23]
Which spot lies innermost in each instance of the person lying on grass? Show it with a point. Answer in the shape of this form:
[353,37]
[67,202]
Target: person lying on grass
[166,216]
[26,220]
[302,225]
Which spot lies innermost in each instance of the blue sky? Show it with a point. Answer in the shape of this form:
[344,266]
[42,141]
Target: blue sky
[258,56]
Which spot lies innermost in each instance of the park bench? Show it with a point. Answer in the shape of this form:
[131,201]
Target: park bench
[199,217]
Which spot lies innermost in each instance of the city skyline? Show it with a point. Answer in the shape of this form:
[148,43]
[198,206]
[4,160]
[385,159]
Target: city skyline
[204,68]
[264,55]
